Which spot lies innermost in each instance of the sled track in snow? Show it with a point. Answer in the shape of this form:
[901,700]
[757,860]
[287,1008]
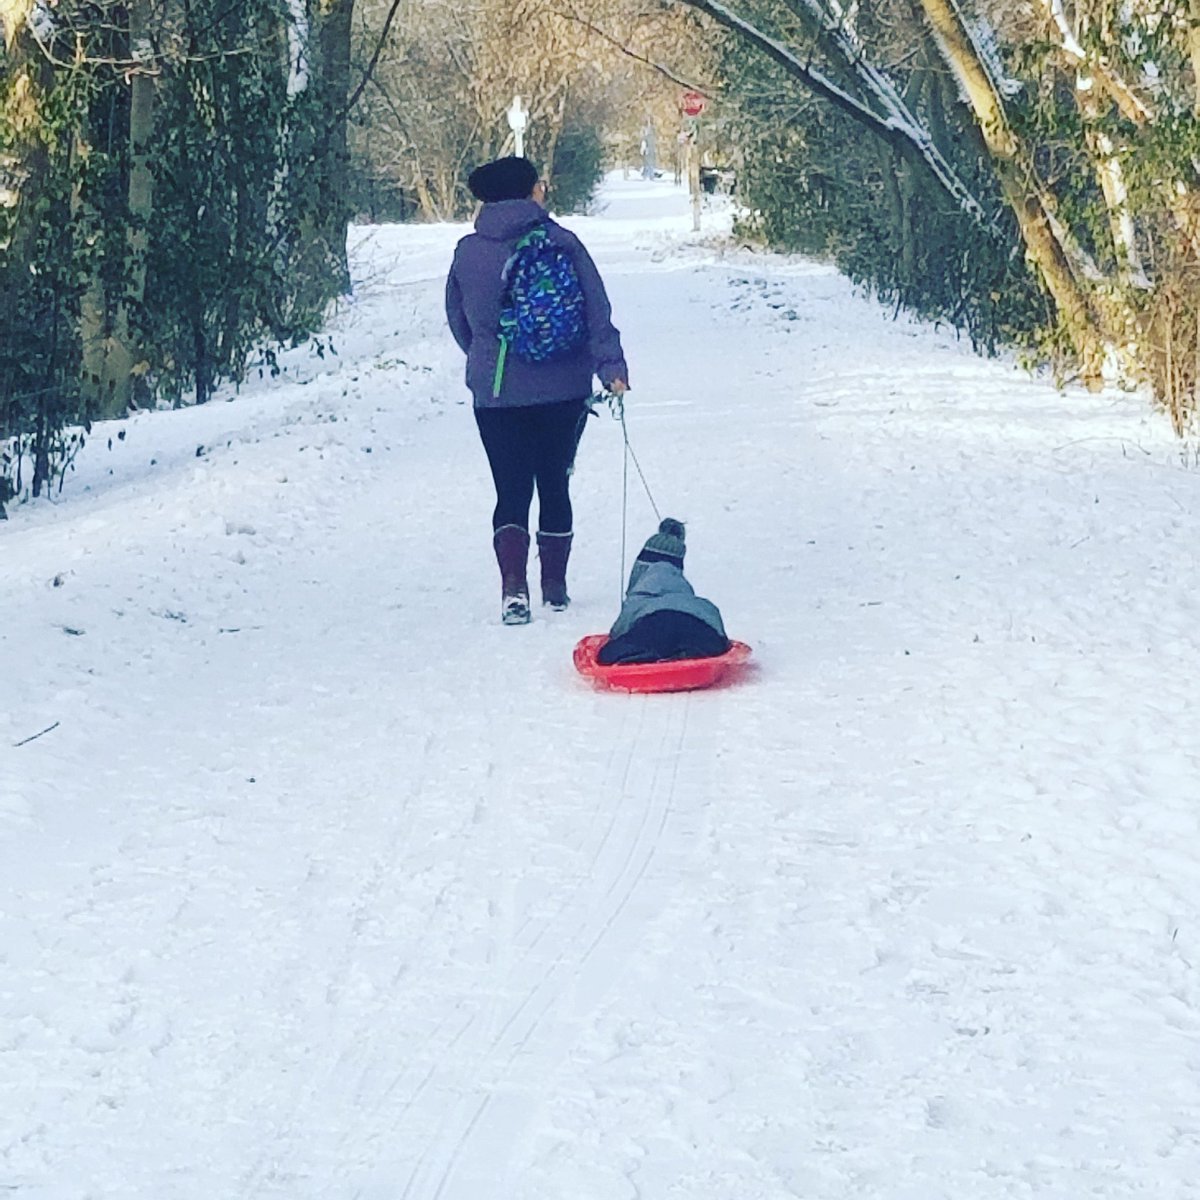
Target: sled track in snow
[273,1162]
[498,1080]
[436,1075]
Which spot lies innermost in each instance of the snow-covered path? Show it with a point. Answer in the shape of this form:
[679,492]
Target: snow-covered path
[326,886]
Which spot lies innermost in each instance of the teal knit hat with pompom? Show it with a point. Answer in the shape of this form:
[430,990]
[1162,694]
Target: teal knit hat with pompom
[667,544]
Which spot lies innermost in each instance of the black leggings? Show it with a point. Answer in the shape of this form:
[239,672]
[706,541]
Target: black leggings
[528,446]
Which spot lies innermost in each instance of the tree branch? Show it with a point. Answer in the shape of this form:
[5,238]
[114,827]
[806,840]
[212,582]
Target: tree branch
[356,95]
[618,44]
[1132,108]
[33,737]
[898,127]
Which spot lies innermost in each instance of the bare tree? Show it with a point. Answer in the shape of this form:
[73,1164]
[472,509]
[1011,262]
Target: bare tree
[437,101]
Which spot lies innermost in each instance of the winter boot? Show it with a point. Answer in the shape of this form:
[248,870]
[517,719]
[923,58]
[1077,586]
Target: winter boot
[553,551]
[512,553]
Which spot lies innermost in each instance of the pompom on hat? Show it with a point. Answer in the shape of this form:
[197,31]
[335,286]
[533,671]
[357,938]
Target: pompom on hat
[510,178]
[667,545]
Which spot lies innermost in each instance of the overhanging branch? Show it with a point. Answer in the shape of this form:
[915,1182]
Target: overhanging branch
[896,126]
[356,95]
[618,44]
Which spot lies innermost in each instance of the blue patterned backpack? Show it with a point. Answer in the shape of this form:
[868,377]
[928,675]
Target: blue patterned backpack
[542,313]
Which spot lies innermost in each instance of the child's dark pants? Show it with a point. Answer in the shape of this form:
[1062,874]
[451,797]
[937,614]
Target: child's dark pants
[662,636]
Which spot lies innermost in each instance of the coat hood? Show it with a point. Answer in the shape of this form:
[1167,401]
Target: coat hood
[657,579]
[506,220]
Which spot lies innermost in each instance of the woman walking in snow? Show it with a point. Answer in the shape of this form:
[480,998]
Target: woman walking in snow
[528,308]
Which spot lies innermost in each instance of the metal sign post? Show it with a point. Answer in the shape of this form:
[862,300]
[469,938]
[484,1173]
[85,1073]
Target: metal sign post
[689,138]
[691,105]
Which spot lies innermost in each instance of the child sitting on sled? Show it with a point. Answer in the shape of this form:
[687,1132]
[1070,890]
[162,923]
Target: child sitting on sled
[662,618]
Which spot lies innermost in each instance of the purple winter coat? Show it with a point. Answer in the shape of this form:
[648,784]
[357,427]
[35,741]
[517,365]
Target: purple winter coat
[473,297]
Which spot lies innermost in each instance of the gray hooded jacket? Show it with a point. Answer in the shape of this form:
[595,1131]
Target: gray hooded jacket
[474,293]
[656,586]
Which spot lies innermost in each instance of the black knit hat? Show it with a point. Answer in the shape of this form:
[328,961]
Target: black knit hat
[509,178]
[667,545]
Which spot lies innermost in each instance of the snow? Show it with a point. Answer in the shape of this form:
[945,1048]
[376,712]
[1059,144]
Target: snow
[321,883]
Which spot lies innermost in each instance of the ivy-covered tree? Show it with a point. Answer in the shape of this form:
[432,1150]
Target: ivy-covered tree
[173,195]
[812,182]
[43,264]
[216,283]
[1071,131]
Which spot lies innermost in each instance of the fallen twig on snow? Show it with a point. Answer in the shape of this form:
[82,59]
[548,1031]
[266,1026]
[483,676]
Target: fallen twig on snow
[34,737]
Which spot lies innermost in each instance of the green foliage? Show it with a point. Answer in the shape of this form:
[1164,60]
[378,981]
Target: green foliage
[815,184]
[232,182]
[819,187]
[47,241]
[578,162]
[235,256]
[217,156]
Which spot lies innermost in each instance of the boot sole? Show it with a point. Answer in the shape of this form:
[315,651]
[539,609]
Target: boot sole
[516,613]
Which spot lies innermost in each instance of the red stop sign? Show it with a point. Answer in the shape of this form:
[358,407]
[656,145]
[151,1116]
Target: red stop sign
[691,104]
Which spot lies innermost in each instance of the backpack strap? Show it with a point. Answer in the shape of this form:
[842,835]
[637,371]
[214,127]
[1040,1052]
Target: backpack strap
[501,358]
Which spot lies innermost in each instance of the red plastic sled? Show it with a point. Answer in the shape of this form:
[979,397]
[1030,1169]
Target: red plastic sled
[678,675]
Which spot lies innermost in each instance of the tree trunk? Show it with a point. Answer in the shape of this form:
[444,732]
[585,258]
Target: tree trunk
[902,186]
[24,169]
[332,219]
[128,370]
[428,207]
[556,128]
[1194,53]
[321,168]
[111,370]
[28,79]
[1019,185]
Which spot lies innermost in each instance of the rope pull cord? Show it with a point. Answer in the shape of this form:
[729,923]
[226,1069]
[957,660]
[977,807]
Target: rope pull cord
[616,405]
